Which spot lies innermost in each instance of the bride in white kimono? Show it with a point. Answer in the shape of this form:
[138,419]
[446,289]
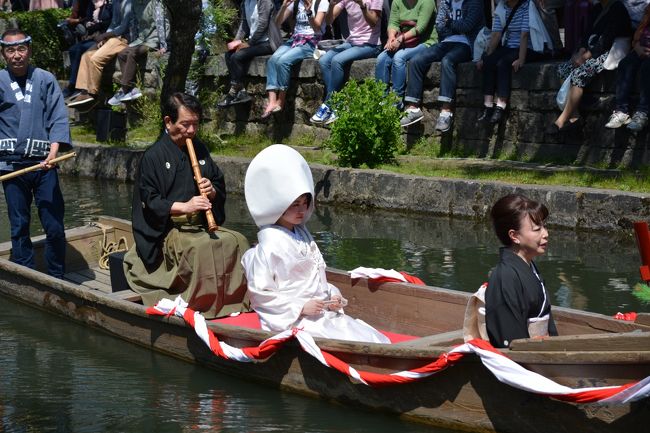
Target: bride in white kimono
[285,270]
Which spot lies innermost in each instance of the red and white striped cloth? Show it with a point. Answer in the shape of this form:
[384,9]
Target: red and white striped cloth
[505,370]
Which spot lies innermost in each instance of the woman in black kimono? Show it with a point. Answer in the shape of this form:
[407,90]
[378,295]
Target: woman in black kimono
[517,304]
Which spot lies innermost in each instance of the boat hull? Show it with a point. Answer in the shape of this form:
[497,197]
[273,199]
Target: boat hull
[463,397]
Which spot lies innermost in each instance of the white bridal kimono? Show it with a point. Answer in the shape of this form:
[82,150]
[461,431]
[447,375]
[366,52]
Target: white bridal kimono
[284,271]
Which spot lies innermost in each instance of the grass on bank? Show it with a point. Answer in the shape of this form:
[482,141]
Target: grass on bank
[421,160]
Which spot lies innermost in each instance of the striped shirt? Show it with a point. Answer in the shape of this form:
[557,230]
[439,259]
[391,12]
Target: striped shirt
[517,26]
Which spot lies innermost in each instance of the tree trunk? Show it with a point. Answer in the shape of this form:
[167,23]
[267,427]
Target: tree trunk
[184,20]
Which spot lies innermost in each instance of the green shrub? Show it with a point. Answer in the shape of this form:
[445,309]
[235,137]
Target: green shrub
[367,130]
[47,39]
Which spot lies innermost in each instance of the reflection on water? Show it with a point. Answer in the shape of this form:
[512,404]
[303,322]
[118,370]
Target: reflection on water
[590,271]
[58,376]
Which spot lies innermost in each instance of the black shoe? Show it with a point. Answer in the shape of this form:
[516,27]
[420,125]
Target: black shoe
[497,115]
[552,129]
[227,101]
[486,114]
[571,126]
[242,97]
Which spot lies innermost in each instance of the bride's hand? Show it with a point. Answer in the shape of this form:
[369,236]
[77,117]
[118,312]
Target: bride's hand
[313,307]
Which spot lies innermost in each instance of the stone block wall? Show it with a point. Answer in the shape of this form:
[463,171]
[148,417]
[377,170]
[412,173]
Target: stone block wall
[521,136]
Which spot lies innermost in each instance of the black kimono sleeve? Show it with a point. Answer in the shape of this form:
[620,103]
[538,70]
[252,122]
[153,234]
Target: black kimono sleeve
[150,211]
[506,314]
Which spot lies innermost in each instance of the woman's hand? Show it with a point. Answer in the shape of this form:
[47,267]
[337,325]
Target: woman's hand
[479,64]
[313,307]
[336,302]
[517,64]
[580,57]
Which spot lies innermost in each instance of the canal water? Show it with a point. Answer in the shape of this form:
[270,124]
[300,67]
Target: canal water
[58,376]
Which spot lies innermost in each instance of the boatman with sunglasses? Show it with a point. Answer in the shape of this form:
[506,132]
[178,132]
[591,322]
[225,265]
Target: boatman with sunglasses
[33,128]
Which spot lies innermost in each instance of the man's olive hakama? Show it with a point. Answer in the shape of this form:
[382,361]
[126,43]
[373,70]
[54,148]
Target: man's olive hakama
[195,264]
[176,255]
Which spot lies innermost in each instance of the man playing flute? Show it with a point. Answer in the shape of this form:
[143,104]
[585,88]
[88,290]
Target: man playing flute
[174,254]
[33,128]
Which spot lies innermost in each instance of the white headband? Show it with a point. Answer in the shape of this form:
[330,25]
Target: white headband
[27,40]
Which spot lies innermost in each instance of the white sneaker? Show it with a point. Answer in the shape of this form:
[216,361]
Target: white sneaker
[331,118]
[117,98]
[321,115]
[638,122]
[412,115]
[134,93]
[617,119]
[444,121]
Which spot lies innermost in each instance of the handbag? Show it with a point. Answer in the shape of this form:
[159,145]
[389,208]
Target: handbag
[413,41]
[562,94]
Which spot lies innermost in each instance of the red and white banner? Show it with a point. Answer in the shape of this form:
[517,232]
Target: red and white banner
[504,369]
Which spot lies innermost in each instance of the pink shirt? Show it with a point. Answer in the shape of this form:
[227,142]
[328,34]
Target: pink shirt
[360,31]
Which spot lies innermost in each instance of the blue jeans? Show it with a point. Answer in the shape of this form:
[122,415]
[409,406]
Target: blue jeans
[391,66]
[75,52]
[625,78]
[278,68]
[43,186]
[449,54]
[333,64]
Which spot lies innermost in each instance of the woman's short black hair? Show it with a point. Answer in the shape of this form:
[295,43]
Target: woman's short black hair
[507,212]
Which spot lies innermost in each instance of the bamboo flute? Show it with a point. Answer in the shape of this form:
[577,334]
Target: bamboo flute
[37,166]
[212,224]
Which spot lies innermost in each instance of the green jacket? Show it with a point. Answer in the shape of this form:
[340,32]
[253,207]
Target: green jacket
[422,11]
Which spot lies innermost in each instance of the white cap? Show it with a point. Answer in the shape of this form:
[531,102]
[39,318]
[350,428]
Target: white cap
[275,178]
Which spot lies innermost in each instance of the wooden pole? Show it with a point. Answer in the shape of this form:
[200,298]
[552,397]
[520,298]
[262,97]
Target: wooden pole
[37,166]
[212,224]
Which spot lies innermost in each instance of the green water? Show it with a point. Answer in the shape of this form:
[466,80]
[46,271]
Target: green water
[57,376]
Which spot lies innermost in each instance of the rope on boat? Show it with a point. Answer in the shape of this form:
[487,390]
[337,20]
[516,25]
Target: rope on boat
[503,368]
[108,248]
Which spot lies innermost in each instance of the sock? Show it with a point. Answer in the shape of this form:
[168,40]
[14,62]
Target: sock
[502,104]
[488,104]
[446,113]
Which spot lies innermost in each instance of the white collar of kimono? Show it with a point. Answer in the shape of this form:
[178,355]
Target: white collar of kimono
[23,41]
[274,179]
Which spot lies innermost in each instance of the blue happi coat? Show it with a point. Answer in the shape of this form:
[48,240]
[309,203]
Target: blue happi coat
[30,121]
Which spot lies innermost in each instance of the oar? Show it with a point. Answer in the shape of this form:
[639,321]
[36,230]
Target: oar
[36,167]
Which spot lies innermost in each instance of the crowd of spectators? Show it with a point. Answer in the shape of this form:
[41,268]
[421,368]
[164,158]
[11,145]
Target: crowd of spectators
[406,37]
[417,33]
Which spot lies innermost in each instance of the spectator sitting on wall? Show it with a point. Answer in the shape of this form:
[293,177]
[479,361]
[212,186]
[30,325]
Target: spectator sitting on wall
[609,20]
[637,59]
[257,35]
[457,23]
[109,45]
[509,48]
[93,17]
[308,30]
[363,19]
[410,32]
[45,4]
[153,27]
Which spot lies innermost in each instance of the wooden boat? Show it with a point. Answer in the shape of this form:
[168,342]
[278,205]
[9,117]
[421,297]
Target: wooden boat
[595,350]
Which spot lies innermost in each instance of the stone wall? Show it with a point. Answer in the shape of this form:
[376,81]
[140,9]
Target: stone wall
[575,208]
[522,136]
